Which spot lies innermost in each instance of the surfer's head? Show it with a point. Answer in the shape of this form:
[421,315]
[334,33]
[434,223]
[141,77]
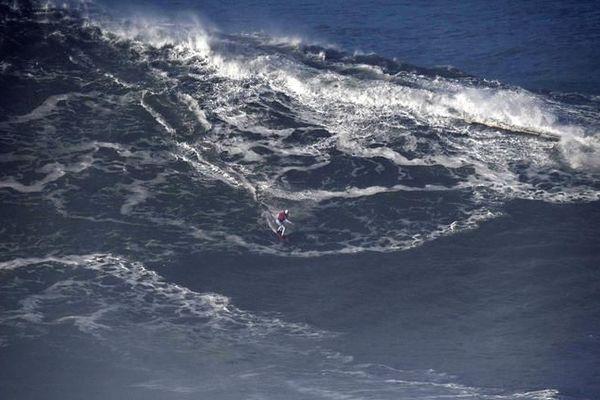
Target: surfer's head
[286,212]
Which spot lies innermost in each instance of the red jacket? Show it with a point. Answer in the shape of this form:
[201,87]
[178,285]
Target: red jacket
[281,216]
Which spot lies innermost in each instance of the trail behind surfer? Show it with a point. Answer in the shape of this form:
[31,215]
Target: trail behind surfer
[281,220]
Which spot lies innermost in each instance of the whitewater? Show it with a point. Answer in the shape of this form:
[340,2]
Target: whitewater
[142,157]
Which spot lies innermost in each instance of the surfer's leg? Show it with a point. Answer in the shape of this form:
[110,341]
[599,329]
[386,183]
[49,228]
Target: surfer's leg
[280,227]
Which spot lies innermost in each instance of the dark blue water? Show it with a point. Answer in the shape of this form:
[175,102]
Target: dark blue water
[440,163]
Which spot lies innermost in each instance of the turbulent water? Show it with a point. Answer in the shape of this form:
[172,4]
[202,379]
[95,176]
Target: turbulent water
[142,158]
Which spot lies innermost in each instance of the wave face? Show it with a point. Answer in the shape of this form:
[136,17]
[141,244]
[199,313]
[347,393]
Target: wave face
[128,140]
[369,154]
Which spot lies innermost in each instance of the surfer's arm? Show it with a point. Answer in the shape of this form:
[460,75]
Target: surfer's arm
[287,220]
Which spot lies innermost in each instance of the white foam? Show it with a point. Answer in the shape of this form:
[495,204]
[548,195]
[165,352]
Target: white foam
[354,192]
[72,260]
[381,382]
[581,151]
[139,29]
[53,171]
[190,42]
[206,168]
[407,119]
[37,186]
[139,194]
[119,81]
[156,115]
[194,107]
[147,296]
[50,104]
[4,66]
[440,104]
[87,323]
[202,327]
[157,384]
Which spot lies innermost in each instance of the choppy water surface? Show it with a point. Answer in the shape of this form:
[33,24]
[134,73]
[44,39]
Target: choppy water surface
[142,157]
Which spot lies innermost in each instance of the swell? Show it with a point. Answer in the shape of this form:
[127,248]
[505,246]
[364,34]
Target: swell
[165,139]
[370,154]
[179,341]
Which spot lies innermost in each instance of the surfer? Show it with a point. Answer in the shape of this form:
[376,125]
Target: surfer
[282,218]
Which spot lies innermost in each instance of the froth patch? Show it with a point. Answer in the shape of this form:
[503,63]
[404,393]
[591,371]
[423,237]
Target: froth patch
[222,173]
[194,107]
[354,192]
[53,171]
[99,293]
[48,107]
[581,152]
[157,116]
[189,42]
[514,110]
[139,193]
[271,111]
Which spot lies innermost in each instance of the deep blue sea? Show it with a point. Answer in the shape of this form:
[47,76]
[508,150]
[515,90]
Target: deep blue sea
[440,162]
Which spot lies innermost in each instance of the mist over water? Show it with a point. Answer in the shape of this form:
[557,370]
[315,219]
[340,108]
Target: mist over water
[445,223]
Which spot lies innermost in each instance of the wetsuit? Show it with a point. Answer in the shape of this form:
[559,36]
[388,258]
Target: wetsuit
[280,220]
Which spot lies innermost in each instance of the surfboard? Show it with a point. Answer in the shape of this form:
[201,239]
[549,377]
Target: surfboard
[271,223]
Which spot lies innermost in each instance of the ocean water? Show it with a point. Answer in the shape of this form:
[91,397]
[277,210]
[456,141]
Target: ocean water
[441,165]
